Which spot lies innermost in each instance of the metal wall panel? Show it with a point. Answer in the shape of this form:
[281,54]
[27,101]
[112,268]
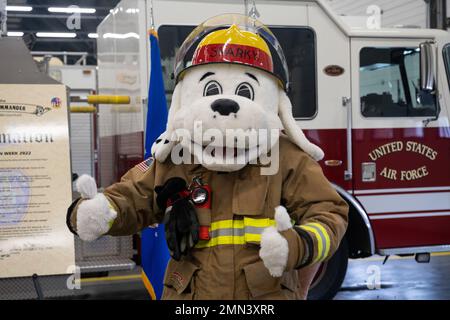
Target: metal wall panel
[394,13]
[81,143]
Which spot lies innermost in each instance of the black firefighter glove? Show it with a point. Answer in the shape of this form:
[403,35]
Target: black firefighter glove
[181,223]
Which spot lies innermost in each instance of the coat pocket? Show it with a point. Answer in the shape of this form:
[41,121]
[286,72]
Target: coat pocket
[261,284]
[179,280]
[250,195]
[289,284]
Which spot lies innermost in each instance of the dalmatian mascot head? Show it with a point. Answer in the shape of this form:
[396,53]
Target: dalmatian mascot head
[229,99]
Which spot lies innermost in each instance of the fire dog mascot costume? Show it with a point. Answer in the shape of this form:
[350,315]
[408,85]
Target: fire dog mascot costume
[233,230]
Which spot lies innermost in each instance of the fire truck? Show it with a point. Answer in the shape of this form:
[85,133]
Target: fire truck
[376,100]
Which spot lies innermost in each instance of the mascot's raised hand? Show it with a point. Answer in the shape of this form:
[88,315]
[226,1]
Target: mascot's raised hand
[274,250]
[95,215]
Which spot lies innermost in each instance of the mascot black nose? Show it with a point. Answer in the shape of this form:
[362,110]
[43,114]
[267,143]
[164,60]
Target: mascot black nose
[225,106]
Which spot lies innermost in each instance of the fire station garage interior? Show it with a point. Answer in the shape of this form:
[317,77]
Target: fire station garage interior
[118,180]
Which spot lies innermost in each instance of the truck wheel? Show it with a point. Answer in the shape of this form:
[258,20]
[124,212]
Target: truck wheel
[330,275]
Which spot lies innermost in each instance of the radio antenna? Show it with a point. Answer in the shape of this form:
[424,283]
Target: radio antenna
[152,16]
[254,13]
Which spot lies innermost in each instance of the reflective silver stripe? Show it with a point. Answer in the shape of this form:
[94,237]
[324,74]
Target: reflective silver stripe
[323,238]
[254,230]
[226,232]
[236,231]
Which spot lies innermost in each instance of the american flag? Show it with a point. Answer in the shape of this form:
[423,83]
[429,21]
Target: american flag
[145,165]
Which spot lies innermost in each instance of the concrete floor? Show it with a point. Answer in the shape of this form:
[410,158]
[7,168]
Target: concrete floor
[398,279]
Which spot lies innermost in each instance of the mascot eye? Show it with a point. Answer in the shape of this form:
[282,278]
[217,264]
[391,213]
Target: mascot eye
[245,90]
[212,88]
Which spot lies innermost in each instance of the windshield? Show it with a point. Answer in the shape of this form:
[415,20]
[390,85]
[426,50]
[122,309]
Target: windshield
[390,83]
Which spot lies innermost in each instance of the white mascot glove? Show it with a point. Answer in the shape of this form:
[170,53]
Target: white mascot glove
[94,215]
[274,247]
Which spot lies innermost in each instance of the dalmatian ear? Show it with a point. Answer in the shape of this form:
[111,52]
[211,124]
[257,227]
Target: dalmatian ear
[293,131]
[174,106]
[162,147]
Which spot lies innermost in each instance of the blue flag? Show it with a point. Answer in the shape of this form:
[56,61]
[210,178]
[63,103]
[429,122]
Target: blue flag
[154,252]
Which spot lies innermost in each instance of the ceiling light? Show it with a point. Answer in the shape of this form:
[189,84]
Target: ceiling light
[71,9]
[93,35]
[56,35]
[121,35]
[15,34]
[19,8]
[132,10]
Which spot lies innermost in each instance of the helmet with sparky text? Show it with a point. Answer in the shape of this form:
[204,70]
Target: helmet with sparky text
[233,38]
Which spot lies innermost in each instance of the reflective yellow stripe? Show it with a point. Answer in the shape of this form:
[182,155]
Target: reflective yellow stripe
[226,224]
[252,237]
[239,224]
[221,240]
[241,232]
[111,222]
[319,241]
[323,240]
[111,206]
[259,223]
[327,238]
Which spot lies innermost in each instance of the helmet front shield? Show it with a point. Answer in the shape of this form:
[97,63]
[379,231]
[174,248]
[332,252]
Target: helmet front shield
[233,38]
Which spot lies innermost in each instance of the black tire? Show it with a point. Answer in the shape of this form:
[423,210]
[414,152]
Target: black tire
[329,279]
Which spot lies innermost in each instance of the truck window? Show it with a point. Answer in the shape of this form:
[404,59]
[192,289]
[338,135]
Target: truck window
[390,84]
[298,46]
[446,53]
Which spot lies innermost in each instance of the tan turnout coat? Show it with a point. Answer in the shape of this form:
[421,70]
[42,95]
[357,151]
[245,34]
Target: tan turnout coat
[243,203]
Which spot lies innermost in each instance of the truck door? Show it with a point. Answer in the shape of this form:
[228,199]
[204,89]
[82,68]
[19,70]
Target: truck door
[401,159]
